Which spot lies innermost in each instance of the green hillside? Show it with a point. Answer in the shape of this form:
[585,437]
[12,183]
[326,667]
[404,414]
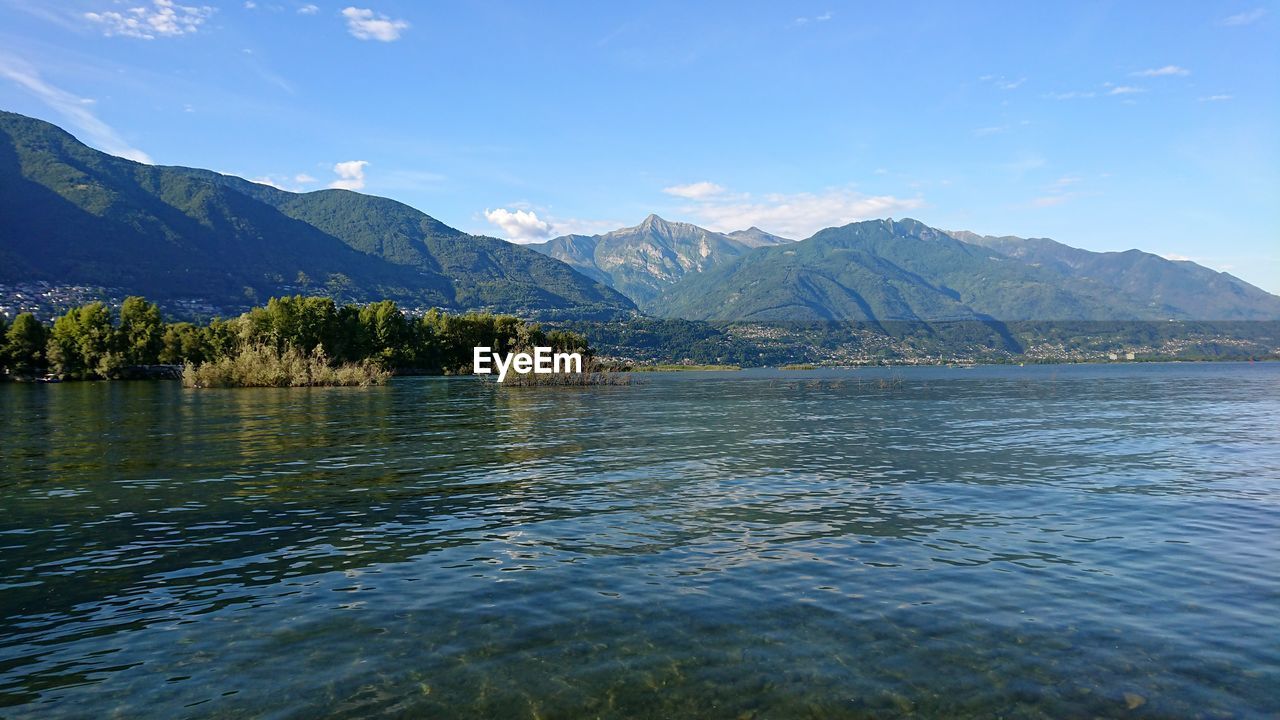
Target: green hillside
[884,270]
[73,215]
[1175,287]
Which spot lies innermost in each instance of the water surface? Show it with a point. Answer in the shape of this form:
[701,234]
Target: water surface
[1025,542]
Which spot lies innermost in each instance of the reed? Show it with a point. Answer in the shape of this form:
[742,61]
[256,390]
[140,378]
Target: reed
[265,366]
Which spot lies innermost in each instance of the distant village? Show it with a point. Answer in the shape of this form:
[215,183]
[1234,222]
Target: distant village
[46,301]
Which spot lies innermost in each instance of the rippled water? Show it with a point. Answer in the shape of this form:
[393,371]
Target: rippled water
[1026,542]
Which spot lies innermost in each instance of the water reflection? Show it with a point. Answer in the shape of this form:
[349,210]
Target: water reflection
[1045,542]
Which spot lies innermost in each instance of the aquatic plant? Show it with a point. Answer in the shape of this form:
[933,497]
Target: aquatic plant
[266,366]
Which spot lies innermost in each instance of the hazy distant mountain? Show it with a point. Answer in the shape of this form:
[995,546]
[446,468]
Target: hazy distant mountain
[73,215]
[883,270]
[754,237]
[1175,287]
[643,260]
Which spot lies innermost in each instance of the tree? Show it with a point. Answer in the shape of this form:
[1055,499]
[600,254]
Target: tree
[24,344]
[388,335]
[139,337]
[183,343]
[4,344]
[80,344]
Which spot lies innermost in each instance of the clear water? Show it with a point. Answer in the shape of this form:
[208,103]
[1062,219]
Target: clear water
[1019,542]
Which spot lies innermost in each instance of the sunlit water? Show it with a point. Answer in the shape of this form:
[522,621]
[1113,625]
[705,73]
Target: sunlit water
[1019,542]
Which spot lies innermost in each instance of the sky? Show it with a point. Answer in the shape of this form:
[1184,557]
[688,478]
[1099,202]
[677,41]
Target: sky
[1104,125]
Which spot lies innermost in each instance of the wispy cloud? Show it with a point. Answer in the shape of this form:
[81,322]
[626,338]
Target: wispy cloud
[1125,90]
[163,18]
[350,175]
[74,108]
[521,226]
[694,191]
[291,183]
[815,19]
[993,130]
[1165,71]
[1059,191]
[1003,82]
[1245,18]
[1215,98]
[1071,95]
[796,214]
[365,24]
[308,9]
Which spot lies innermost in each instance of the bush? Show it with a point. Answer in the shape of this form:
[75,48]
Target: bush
[265,366]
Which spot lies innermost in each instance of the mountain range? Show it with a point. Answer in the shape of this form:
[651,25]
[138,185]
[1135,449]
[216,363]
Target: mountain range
[74,215]
[70,214]
[886,270]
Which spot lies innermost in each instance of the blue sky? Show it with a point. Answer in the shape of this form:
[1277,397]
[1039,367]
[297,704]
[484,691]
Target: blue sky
[1103,125]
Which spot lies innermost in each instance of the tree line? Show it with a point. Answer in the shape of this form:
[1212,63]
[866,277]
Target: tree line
[92,342]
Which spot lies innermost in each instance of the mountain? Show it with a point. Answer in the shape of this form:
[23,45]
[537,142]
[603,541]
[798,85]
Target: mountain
[73,215]
[641,261]
[1176,287]
[883,270]
[754,237]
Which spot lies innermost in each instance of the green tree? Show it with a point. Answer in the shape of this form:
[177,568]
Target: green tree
[24,345]
[388,336]
[4,345]
[139,337]
[183,343]
[80,344]
[221,338]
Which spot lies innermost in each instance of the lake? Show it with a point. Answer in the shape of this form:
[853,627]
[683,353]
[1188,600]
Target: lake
[1052,541]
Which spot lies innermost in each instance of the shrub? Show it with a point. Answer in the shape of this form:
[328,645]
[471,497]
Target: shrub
[265,366]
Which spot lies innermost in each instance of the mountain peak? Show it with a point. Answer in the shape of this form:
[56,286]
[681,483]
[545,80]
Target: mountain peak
[653,221]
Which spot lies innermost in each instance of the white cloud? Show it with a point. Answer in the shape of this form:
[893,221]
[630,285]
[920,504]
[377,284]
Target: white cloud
[308,9]
[163,19]
[817,18]
[303,179]
[1176,257]
[1125,90]
[250,5]
[1243,18]
[694,191]
[1003,82]
[993,130]
[1162,71]
[521,226]
[1072,95]
[365,24]
[350,175]
[1215,98]
[74,108]
[796,215]
[267,180]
